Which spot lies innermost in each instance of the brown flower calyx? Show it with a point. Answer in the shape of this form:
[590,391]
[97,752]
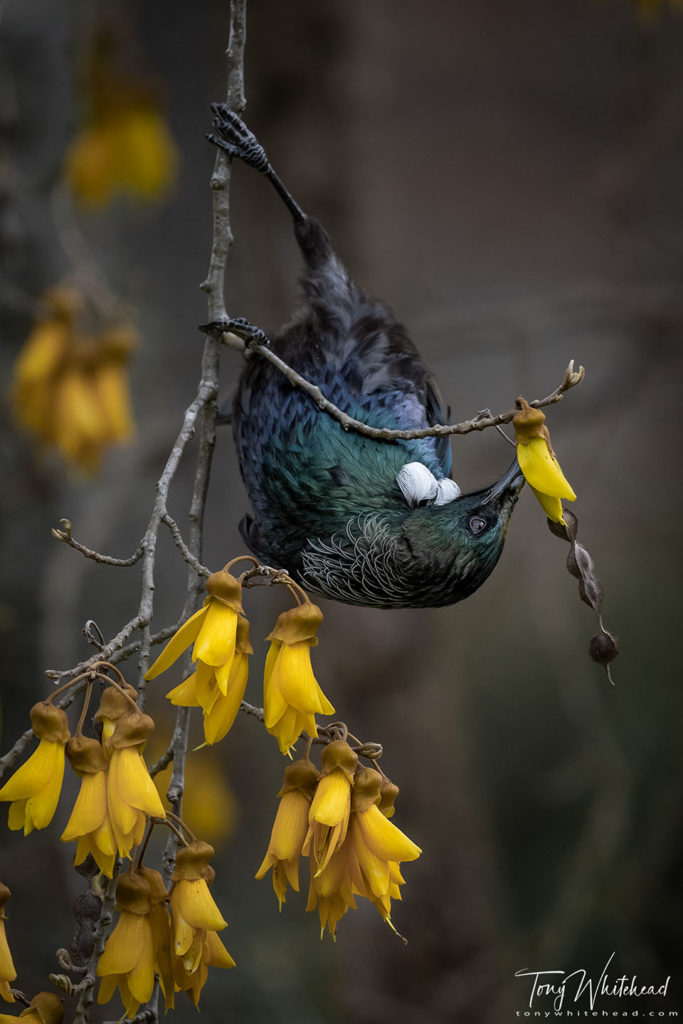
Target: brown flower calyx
[338,754]
[529,424]
[242,645]
[49,723]
[224,587]
[366,789]
[192,863]
[131,730]
[48,1007]
[4,896]
[86,755]
[133,893]
[301,775]
[387,798]
[157,889]
[298,624]
[115,702]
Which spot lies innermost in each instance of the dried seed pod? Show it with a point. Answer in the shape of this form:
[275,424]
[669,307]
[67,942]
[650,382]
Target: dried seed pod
[604,646]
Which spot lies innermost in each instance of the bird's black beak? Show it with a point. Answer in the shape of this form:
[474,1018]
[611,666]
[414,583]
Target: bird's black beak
[509,485]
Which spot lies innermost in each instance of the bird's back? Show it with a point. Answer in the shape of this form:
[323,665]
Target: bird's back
[306,476]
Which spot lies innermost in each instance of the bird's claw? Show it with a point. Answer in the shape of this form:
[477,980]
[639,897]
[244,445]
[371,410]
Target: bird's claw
[249,333]
[233,136]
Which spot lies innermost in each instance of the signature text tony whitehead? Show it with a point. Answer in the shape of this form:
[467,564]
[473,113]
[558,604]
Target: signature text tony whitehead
[559,985]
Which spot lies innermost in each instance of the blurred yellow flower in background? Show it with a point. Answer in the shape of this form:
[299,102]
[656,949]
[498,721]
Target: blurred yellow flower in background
[127,148]
[124,145]
[69,389]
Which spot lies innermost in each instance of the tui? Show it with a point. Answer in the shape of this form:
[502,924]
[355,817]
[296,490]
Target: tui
[354,519]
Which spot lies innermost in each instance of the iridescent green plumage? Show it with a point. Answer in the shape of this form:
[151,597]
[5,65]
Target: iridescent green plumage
[327,504]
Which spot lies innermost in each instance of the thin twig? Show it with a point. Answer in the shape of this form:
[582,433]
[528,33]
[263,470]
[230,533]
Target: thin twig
[200,569]
[214,286]
[571,378]
[66,537]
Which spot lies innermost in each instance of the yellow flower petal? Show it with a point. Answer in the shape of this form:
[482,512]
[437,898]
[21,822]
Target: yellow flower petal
[185,695]
[196,905]
[293,676]
[551,506]
[122,948]
[181,639]
[217,955]
[383,838]
[543,471]
[219,720]
[332,799]
[90,808]
[215,643]
[35,773]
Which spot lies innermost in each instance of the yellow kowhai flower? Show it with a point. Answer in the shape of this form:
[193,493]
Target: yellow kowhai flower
[89,823]
[291,694]
[41,360]
[195,920]
[35,786]
[45,1008]
[127,962]
[161,932]
[71,391]
[212,631]
[131,794]
[218,691]
[332,889]
[7,971]
[290,827]
[378,844]
[328,817]
[538,463]
[128,149]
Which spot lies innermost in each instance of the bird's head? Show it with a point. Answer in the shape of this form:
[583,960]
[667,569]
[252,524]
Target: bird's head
[453,545]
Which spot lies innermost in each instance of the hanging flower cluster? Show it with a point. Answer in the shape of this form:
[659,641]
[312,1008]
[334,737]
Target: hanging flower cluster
[219,635]
[124,146]
[336,816]
[70,387]
[339,818]
[538,463]
[178,947]
[116,794]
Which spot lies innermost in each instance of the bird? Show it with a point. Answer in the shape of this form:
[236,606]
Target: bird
[376,523]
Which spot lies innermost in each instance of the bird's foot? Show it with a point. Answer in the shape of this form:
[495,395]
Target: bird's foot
[249,333]
[234,137]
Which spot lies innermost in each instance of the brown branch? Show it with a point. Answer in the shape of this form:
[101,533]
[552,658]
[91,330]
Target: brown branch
[214,286]
[200,570]
[571,378]
[66,537]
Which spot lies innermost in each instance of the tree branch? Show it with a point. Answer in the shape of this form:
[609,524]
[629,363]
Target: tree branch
[571,378]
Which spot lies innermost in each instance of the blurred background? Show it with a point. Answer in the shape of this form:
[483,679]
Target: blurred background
[508,177]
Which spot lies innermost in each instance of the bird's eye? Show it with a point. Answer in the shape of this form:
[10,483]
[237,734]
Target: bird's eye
[477,524]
